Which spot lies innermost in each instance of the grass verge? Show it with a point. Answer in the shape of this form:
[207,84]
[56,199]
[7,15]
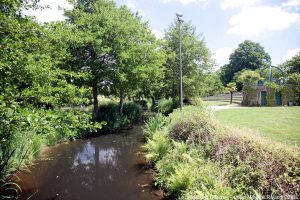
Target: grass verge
[280,124]
[197,158]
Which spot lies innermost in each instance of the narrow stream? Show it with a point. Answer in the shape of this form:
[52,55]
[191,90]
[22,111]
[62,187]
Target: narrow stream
[105,167]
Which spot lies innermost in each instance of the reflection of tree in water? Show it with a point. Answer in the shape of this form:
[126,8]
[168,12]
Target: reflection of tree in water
[89,168]
[96,164]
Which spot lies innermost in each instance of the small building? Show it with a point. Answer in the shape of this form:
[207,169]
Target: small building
[269,92]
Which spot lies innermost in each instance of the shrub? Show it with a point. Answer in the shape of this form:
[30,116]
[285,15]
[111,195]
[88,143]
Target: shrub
[154,124]
[142,103]
[221,161]
[197,101]
[110,114]
[166,106]
[157,147]
[23,131]
[132,111]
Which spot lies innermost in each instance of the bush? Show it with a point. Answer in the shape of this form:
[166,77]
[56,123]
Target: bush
[157,146]
[110,114]
[154,124]
[207,160]
[142,103]
[166,106]
[197,101]
[23,132]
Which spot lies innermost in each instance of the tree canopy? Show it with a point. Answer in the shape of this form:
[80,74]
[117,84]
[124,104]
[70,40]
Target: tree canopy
[293,65]
[196,61]
[248,55]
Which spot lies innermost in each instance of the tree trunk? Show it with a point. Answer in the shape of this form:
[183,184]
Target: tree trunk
[122,100]
[95,98]
[153,101]
[231,94]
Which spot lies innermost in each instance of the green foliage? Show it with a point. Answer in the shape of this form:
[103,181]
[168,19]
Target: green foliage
[157,146]
[109,113]
[207,160]
[166,106]
[271,92]
[142,103]
[33,77]
[294,82]
[249,55]
[249,79]
[197,101]
[231,87]
[154,124]
[293,65]
[197,61]
[23,131]
[115,48]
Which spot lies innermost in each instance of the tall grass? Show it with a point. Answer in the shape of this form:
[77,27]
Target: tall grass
[197,158]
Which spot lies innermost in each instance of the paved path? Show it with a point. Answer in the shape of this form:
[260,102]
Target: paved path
[230,106]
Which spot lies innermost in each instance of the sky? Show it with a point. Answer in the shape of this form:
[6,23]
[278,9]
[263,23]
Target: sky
[223,24]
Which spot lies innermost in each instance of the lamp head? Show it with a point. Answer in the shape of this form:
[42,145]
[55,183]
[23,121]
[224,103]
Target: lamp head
[179,14]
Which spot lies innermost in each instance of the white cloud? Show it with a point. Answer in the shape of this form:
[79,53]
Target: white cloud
[291,3]
[55,13]
[227,4]
[131,4]
[186,2]
[158,34]
[290,54]
[257,19]
[221,55]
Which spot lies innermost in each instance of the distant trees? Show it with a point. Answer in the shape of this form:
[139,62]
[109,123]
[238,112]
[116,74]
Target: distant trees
[292,65]
[248,55]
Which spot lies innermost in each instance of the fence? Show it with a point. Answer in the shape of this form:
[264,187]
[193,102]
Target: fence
[236,98]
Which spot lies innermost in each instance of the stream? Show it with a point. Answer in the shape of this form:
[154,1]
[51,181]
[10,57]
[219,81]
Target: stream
[105,167]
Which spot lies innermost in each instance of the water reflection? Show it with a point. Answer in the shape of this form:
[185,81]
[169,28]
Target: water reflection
[89,169]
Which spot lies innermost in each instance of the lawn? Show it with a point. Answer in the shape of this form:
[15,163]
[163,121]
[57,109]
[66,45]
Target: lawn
[281,124]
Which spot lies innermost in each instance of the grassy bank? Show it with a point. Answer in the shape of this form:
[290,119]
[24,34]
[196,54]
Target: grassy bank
[197,158]
[280,124]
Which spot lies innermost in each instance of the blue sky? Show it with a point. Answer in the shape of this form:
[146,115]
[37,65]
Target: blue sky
[275,24]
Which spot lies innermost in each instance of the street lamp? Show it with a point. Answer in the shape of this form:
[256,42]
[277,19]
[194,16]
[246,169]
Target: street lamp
[180,20]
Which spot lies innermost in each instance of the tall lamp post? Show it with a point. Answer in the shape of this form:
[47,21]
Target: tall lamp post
[180,20]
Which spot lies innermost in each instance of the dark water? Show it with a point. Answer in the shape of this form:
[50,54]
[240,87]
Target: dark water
[104,167]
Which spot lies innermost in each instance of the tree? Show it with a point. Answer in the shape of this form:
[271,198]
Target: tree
[248,55]
[196,61]
[249,79]
[293,65]
[211,84]
[231,87]
[114,47]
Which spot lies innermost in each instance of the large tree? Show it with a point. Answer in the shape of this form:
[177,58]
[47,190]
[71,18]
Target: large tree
[248,55]
[113,46]
[196,60]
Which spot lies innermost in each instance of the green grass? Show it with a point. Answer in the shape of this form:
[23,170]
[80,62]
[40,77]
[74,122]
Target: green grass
[215,103]
[280,124]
